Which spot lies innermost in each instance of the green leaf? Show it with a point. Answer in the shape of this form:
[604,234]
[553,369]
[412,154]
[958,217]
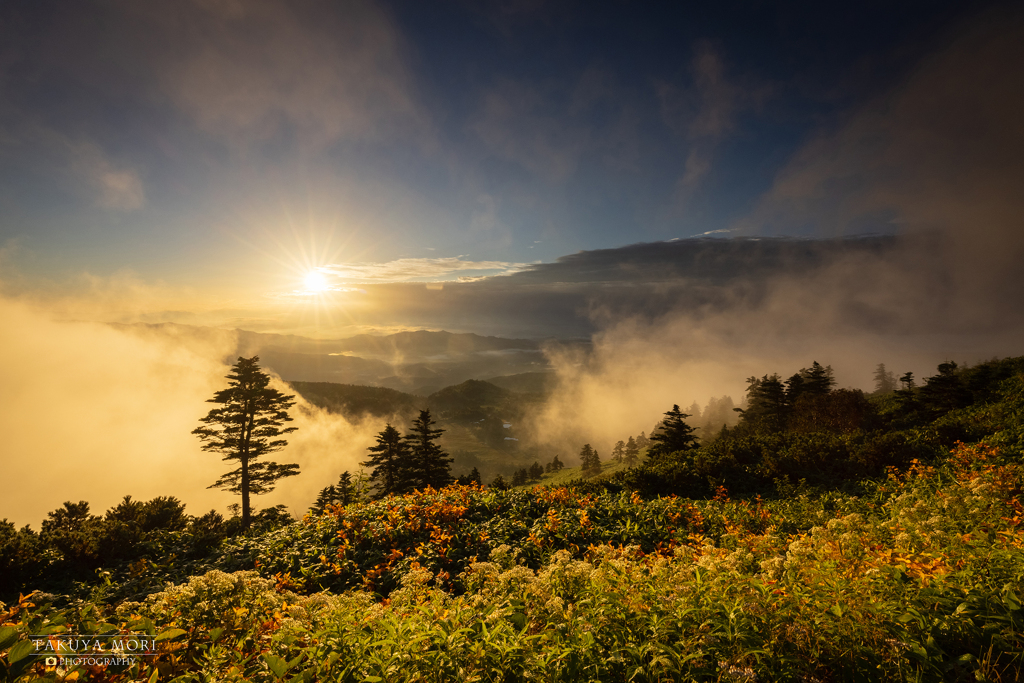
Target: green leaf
[278,666]
[215,634]
[20,651]
[8,634]
[171,634]
[836,610]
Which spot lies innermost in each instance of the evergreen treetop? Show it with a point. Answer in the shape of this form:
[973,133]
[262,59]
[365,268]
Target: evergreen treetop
[673,436]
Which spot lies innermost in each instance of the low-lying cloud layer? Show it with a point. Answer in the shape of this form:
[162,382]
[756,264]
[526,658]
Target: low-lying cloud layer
[93,412]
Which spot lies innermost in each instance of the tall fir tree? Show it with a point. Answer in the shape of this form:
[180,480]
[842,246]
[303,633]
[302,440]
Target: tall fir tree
[767,403]
[247,426]
[590,460]
[818,380]
[520,477]
[631,454]
[673,436]
[429,465]
[388,458]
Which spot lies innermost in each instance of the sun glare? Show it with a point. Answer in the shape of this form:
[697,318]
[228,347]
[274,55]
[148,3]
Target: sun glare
[315,282]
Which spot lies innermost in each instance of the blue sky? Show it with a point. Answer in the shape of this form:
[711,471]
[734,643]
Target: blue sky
[213,140]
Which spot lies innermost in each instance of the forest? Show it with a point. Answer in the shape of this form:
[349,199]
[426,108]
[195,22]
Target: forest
[828,535]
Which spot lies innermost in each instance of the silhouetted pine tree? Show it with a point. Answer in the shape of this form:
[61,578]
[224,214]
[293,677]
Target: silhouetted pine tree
[536,472]
[945,391]
[245,427]
[674,435]
[428,465]
[767,403]
[388,460]
[818,380]
[555,465]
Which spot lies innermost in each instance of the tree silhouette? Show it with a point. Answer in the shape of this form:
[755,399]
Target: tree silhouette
[388,461]
[428,464]
[536,471]
[520,477]
[767,402]
[590,459]
[245,428]
[674,435]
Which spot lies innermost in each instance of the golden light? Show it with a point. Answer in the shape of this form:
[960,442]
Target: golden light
[315,282]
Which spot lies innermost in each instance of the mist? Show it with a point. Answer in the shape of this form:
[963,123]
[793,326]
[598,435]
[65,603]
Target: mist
[935,161]
[95,412]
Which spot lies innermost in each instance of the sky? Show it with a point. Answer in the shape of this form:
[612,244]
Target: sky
[232,146]
[705,191]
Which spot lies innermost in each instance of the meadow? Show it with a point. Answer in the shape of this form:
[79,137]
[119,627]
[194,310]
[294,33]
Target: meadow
[911,571]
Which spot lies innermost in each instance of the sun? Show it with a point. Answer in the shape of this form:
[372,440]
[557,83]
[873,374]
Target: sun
[315,282]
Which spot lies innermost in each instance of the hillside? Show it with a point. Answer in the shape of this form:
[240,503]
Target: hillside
[843,538]
[358,400]
[526,382]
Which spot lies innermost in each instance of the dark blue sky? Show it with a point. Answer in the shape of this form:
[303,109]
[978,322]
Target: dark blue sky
[229,143]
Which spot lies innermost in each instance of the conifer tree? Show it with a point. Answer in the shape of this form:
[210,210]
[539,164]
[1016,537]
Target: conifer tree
[246,427]
[590,459]
[818,380]
[674,435]
[328,496]
[346,490]
[388,460]
[536,472]
[520,477]
[767,403]
[469,479]
[631,453]
[619,451]
[885,381]
[428,464]
[945,391]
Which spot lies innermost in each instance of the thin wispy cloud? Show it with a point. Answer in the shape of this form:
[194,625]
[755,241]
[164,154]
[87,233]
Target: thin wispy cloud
[417,269]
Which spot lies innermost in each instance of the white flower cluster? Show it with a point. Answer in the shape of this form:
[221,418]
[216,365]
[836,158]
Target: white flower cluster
[212,597]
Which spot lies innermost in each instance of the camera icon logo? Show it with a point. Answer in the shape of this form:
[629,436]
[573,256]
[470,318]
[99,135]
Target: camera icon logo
[51,661]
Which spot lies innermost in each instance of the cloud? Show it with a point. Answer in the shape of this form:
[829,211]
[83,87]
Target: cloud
[706,112]
[941,156]
[78,163]
[254,68]
[943,149]
[95,412]
[406,269]
[551,128]
[113,187]
[305,73]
